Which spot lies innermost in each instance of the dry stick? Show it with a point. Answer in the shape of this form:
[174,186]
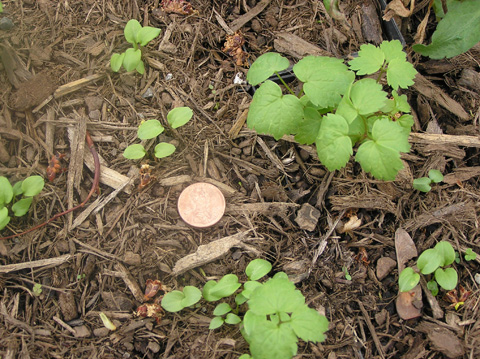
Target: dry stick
[370,326]
[96,179]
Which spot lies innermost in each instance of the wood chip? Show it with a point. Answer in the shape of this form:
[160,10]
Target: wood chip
[290,44]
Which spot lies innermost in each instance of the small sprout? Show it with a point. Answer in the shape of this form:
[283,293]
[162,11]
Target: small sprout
[432,287]
[470,255]
[423,183]
[80,276]
[258,268]
[107,322]
[347,275]
[176,300]
[37,289]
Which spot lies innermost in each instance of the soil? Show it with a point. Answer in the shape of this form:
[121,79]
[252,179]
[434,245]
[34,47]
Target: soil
[282,204]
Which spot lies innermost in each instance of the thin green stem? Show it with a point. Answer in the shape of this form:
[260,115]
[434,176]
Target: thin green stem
[382,71]
[284,83]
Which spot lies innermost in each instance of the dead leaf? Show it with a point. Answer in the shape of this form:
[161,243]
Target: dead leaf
[396,8]
[409,304]
[405,248]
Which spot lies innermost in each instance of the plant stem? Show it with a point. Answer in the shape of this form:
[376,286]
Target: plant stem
[96,180]
[382,71]
[284,83]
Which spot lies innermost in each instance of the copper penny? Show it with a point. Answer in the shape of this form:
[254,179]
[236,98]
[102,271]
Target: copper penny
[201,205]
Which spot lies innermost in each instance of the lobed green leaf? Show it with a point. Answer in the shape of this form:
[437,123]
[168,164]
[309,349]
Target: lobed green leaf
[393,50]
[400,73]
[325,79]
[309,325]
[367,96]
[273,341]
[149,129]
[33,185]
[273,113]
[401,102]
[370,59]
[334,147]
[265,66]
[470,255]
[308,127]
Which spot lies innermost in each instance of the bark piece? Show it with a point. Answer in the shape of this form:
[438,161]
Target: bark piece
[384,266]
[307,217]
[442,340]
[405,248]
[295,46]
[68,306]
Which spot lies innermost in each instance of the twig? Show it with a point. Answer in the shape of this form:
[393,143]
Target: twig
[94,188]
[35,264]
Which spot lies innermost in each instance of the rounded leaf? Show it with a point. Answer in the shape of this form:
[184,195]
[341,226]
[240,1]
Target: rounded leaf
[131,30]
[446,251]
[140,68]
[309,325]
[164,150]
[207,291]
[215,323]
[249,287]
[257,268]
[17,188]
[33,185]
[432,286]
[265,66]
[149,129]
[226,286]
[146,34]
[172,301]
[429,261]
[116,61]
[422,184]
[408,279]
[240,299]
[192,296]
[4,217]
[435,175]
[232,319]
[222,309]
[446,278]
[134,152]
[21,207]
[179,116]
[132,59]
[6,191]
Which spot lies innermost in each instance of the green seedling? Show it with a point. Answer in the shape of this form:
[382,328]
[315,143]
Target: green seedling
[337,112]
[433,260]
[456,32]
[423,183]
[470,255]
[347,275]
[152,128]
[107,322]
[17,198]
[1,7]
[138,36]
[37,289]
[177,300]
[277,315]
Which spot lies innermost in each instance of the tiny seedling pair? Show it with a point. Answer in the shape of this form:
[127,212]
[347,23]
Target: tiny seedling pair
[19,196]
[423,183]
[152,128]
[138,36]
[276,318]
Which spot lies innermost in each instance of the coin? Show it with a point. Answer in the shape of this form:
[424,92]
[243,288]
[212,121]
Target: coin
[201,205]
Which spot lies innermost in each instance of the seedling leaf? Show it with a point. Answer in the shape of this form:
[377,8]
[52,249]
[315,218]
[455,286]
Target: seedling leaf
[245,356]
[207,291]
[325,79]
[172,301]
[408,279]
[432,286]
[446,278]
[393,50]
[470,255]
[309,325]
[146,34]
[422,184]
[149,129]
[134,152]
[232,319]
[446,252]
[33,185]
[406,121]
[334,147]
[192,296]
[132,58]
[381,155]
[222,309]
[17,188]
[429,261]
[131,30]
[257,268]
[22,206]
[273,341]
[216,322]
[249,287]
[435,175]
[6,191]
[116,61]
[164,149]
[370,59]
[400,73]
[456,33]
[140,68]
[265,66]
[276,295]
[367,96]
[4,217]
[273,113]
[240,298]
[226,286]
[179,116]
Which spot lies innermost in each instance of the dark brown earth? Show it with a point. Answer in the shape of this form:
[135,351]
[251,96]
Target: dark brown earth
[100,257]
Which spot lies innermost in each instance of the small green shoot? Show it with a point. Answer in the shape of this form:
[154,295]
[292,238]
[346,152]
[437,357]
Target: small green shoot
[423,183]
[37,289]
[17,198]
[152,128]
[177,300]
[337,112]
[138,36]
[347,275]
[1,7]
[107,322]
[470,255]
[433,260]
